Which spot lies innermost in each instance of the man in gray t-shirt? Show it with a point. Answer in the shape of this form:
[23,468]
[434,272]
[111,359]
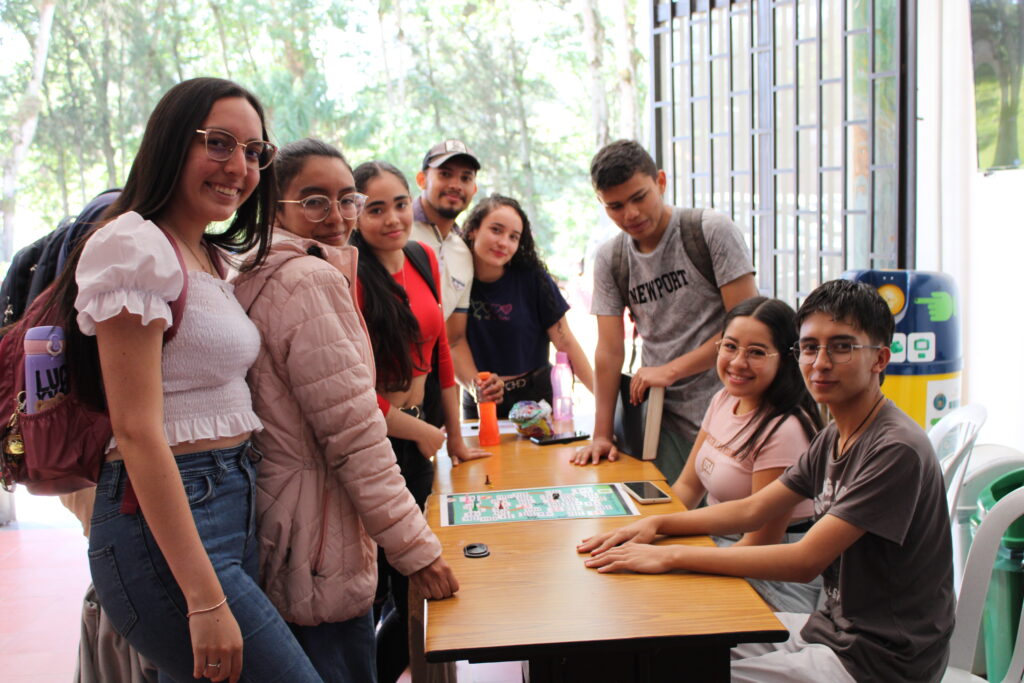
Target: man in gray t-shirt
[880,536]
[678,312]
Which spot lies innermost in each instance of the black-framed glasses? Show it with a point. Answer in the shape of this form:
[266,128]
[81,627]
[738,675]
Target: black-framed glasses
[317,207]
[220,145]
[838,352]
[755,355]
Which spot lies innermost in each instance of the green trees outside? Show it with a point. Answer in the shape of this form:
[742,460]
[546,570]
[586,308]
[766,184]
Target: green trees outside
[517,81]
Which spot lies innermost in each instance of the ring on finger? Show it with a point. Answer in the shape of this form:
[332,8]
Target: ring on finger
[214,666]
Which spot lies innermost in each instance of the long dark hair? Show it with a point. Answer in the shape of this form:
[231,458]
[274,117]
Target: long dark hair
[786,395]
[154,175]
[392,325]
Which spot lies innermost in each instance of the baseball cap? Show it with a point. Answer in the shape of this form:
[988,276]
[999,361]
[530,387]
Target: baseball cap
[443,151]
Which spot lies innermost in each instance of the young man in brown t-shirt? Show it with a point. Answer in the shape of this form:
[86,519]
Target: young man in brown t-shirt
[881,533]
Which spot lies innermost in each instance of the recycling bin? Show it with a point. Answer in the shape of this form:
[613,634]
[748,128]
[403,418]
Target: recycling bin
[925,372]
[1006,592]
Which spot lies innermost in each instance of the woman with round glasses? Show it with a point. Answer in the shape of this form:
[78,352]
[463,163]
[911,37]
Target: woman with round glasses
[172,544]
[329,485]
[757,425]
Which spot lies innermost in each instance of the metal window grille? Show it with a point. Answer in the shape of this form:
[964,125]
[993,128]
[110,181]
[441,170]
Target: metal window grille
[795,117]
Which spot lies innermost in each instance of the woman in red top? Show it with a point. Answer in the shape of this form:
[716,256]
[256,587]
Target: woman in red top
[407,334]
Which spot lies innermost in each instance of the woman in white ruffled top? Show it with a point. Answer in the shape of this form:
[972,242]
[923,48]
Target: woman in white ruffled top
[172,548]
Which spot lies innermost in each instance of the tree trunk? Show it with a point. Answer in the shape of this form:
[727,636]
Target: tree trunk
[23,128]
[593,42]
[626,58]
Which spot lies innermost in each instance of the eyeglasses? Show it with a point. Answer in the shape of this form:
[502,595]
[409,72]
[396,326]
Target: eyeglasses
[838,352]
[755,355]
[220,145]
[317,207]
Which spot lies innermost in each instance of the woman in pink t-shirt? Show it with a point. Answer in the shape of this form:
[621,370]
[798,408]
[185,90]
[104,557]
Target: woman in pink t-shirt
[757,425]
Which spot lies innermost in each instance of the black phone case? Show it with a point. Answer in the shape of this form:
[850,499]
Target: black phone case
[548,441]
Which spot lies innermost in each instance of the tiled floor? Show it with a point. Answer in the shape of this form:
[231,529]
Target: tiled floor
[43,577]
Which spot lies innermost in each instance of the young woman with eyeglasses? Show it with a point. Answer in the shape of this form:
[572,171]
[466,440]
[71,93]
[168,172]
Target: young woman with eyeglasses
[329,485]
[172,544]
[757,425]
[516,311]
[415,381]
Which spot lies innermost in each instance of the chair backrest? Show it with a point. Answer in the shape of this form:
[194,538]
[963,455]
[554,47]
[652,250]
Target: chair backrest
[953,438]
[977,575]
[988,462]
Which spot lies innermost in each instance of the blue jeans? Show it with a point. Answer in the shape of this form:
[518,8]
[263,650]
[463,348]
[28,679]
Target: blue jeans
[342,652]
[142,598]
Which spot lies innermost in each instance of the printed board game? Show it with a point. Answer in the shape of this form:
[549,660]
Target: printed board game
[524,505]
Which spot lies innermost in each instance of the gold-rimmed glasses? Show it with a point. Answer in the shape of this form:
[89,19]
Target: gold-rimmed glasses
[317,207]
[220,145]
[755,355]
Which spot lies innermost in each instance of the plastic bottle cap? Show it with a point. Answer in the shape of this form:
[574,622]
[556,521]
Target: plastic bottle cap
[561,357]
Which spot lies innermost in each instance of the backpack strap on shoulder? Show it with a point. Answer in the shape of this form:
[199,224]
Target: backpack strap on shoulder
[417,256]
[696,244]
[620,274]
[178,305]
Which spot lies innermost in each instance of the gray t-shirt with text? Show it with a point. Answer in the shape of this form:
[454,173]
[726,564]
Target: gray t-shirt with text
[889,604]
[675,308]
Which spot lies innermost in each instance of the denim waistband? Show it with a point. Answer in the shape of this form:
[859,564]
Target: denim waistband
[212,462]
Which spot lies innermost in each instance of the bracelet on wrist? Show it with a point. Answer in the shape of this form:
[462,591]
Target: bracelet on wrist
[206,609]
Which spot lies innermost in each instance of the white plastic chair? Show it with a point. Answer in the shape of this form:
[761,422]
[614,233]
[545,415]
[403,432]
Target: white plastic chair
[953,438]
[971,603]
[988,462]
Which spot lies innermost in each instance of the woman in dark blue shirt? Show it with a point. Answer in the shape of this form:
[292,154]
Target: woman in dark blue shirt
[515,310]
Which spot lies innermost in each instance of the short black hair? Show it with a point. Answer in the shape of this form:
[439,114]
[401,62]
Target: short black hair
[855,303]
[619,161]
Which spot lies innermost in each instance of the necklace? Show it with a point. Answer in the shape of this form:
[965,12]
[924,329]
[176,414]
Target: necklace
[838,452]
[206,265]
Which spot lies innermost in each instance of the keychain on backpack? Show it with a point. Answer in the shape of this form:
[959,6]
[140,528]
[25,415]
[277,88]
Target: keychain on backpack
[12,448]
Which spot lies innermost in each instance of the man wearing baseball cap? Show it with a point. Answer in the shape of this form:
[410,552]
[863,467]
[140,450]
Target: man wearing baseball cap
[448,181]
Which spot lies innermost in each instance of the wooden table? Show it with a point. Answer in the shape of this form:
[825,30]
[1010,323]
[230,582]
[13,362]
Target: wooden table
[533,599]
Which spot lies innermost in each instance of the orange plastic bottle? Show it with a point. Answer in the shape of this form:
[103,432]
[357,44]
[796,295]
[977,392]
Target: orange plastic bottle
[488,410]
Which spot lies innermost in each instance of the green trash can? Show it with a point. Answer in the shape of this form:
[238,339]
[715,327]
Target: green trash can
[1005,593]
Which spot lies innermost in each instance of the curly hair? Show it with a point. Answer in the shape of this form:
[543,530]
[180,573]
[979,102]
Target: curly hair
[526,256]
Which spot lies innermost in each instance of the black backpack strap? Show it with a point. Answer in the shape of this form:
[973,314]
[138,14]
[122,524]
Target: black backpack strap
[696,244]
[620,275]
[417,255]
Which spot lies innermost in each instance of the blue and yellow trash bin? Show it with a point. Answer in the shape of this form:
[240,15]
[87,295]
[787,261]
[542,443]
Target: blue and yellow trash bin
[924,375]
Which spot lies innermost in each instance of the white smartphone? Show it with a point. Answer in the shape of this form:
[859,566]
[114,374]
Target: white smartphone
[646,492]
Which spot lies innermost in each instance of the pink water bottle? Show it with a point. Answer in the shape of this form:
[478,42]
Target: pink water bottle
[46,374]
[561,388]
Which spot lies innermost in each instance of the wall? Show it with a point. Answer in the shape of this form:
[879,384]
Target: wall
[970,225]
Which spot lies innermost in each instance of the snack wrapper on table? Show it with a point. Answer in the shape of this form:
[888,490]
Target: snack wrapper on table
[531,418]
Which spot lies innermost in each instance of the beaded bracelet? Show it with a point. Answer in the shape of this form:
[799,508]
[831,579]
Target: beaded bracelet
[206,609]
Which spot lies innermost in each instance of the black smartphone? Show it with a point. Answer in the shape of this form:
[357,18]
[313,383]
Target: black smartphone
[563,437]
[646,492]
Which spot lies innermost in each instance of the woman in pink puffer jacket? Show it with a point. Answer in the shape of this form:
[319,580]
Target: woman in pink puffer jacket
[328,486]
